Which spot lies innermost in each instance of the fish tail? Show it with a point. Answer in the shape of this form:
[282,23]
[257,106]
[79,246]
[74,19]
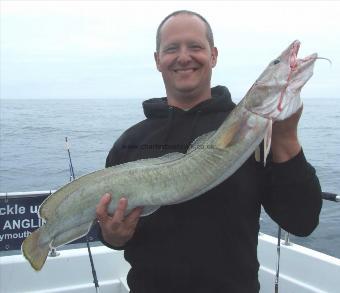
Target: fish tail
[35,250]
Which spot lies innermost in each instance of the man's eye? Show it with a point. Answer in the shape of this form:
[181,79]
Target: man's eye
[170,49]
[195,47]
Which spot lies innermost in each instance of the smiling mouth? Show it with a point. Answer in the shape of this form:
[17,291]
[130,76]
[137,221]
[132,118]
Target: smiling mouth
[185,70]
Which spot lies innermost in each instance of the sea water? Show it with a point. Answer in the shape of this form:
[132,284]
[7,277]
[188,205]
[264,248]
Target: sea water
[33,154]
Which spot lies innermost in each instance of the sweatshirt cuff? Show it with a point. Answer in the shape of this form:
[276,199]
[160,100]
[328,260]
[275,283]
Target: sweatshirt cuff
[296,169]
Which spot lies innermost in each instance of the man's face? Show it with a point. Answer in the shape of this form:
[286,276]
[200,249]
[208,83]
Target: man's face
[185,57]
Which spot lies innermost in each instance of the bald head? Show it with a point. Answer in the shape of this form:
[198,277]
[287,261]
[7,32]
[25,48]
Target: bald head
[209,32]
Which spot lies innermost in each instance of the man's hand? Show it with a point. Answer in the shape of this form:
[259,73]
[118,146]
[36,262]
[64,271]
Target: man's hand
[117,229]
[285,143]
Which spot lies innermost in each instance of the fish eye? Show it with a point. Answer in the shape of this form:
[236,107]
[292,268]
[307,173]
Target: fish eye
[276,61]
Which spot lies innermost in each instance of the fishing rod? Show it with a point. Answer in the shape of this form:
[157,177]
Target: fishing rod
[72,177]
[278,250]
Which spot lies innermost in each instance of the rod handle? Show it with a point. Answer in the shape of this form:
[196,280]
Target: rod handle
[331,196]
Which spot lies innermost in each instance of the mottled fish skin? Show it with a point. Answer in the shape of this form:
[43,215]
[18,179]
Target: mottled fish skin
[175,178]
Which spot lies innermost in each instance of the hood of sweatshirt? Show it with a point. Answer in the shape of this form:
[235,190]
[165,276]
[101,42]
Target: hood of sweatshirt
[220,102]
[170,129]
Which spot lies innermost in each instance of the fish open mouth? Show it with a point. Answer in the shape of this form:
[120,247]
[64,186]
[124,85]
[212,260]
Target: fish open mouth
[293,61]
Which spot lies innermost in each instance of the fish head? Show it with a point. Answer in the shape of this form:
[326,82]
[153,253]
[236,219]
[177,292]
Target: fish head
[276,93]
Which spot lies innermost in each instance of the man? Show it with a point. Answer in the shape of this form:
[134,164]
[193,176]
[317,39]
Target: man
[208,244]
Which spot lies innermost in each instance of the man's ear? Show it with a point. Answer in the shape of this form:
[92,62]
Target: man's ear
[214,54]
[156,56]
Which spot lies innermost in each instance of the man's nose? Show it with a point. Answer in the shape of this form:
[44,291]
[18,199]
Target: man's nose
[184,56]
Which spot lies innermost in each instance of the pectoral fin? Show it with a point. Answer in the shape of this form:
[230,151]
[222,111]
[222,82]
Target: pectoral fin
[258,154]
[148,210]
[229,137]
[267,141]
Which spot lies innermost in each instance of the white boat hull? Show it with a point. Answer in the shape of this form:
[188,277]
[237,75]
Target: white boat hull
[302,270]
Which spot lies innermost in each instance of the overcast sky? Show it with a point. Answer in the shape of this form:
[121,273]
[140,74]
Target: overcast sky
[104,49]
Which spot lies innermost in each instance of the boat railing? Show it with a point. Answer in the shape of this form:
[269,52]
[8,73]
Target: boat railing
[19,217]
[23,194]
[326,196]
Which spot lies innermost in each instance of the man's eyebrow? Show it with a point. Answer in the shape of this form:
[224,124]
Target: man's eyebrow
[174,44]
[195,43]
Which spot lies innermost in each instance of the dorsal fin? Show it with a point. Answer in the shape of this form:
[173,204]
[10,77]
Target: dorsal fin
[53,201]
[155,161]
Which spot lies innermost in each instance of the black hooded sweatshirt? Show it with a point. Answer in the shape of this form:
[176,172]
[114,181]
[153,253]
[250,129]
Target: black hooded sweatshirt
[209,244]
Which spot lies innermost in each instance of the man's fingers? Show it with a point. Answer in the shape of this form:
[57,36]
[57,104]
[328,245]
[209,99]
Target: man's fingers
[101,208]
[118,216]
[118,222]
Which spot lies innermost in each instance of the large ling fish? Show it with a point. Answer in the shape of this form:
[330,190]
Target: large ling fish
[176,177]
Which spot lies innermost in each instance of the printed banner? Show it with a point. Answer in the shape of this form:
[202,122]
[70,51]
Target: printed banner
[19,217]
